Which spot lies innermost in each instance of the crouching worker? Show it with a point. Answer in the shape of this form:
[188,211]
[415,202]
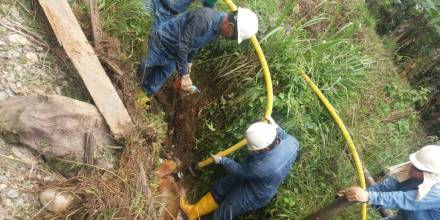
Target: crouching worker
[251,185]
[174,43]
[413,188]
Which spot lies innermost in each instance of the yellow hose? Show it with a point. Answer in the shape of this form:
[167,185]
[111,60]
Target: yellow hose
[269,106]
[269,93]
[354,153]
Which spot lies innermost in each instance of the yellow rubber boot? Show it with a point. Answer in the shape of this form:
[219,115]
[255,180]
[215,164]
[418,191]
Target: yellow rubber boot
[141,99]
[204,206]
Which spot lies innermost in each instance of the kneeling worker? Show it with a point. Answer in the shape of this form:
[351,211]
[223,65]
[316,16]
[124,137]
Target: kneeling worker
[251,185]
[413,188]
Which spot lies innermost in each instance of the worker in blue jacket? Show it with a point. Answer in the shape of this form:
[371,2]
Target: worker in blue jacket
[173,44]
[251,185]
[413,188]
[165,10]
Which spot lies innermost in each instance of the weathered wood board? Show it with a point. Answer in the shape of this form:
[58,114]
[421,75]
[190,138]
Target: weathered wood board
[71,37]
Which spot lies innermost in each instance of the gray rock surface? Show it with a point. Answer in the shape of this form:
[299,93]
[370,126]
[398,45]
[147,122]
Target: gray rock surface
[25,69]
[55,126]
[13,194]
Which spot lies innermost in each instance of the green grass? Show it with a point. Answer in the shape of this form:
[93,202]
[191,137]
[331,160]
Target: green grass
[335,43]
[128,21]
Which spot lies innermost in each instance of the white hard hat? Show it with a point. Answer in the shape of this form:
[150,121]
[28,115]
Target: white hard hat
[260,135]
[427,159]
[247,24]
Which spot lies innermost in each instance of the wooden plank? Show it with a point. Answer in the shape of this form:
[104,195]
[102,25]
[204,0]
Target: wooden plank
[71,37]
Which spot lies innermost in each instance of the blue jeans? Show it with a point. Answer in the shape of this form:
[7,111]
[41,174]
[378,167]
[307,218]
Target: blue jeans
[231,198]
[162,14]
[156,68]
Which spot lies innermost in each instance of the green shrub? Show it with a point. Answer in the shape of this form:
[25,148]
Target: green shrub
[328,47]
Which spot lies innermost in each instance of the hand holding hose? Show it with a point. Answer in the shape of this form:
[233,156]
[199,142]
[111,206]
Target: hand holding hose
[216,158]
[354,194]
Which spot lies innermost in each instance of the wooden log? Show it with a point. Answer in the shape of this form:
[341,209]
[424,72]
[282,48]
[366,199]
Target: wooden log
[330,210]
[71,37]
[341,203]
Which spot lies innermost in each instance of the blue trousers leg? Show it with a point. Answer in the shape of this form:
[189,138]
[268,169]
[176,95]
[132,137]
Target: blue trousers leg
[157,77]
[235,204]
[156,67]
[224,186]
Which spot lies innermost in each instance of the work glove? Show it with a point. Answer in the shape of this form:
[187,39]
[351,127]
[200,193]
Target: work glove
[216,158]
[271,121]
[354,194]
[185,83]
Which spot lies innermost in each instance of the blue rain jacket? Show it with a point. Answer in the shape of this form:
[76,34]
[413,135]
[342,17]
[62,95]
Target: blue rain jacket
[165,10]
[394,195]
[175,43]
[252,185]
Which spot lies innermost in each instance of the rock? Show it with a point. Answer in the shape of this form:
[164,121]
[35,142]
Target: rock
[12,194]
[9,92]
[11,79]
[13,54]
[19,202]
[13,86]
[18,68]
[24,154]
[3,186]
[56,199]
[17,39]
[3,179]
[31,57]
[2,43]
[56,126]
[3,212]
[8,203]
[3,96]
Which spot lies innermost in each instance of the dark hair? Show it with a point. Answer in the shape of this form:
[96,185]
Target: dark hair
[232,17]
[272,145]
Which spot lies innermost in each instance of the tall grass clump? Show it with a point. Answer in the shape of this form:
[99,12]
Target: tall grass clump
[128,21]
[331,41]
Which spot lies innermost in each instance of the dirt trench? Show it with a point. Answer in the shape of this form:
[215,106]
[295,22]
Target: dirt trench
[179,149]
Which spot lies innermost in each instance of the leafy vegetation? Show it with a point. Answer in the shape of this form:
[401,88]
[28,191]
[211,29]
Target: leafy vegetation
[128,21]
[335,43]
[412,29]
[332,42]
